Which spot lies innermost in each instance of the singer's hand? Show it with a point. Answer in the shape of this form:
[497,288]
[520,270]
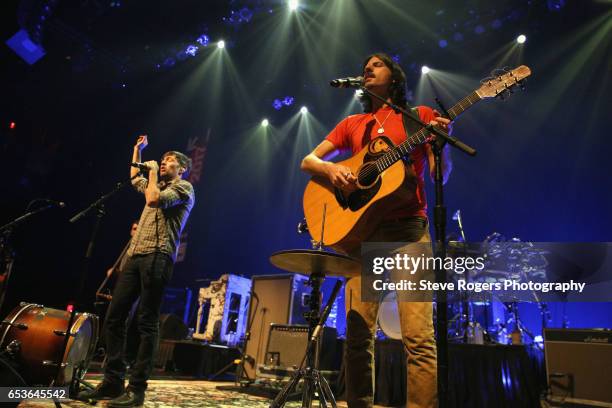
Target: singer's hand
[341,177]
[152,165]
[442,122]
[141,142]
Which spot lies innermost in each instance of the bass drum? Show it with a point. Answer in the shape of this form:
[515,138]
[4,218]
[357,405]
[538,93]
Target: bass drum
[388,317]
[38,333]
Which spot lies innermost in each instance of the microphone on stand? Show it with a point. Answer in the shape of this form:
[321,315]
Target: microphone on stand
[348,82]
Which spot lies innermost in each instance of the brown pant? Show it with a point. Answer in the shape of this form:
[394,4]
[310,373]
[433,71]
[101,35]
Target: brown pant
[416,326]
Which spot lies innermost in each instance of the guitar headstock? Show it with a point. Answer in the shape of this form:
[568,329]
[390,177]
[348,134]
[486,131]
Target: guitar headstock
[500,85]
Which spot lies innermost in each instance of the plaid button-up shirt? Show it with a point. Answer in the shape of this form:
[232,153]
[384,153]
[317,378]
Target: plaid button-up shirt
[159,228]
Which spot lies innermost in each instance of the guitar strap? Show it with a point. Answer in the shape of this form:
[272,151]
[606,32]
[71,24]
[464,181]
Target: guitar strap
[410,127]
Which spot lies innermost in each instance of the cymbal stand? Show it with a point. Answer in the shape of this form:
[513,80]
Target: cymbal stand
[315,383]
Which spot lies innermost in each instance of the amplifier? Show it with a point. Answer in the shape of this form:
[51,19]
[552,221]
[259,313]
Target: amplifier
[578,364]
[286,348]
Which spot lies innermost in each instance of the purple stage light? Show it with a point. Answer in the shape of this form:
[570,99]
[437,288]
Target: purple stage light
[203,40]
[555,5]
[245,14]
[191,50]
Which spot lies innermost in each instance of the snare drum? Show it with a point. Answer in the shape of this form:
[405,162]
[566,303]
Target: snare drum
[39,332]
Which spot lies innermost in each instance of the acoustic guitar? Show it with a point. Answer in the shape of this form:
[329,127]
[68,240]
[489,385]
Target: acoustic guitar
[346,219]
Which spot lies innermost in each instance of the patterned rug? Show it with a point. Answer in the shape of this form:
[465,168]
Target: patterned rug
[182,394]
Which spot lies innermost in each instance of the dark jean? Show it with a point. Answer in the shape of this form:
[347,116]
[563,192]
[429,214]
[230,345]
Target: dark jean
[145,276]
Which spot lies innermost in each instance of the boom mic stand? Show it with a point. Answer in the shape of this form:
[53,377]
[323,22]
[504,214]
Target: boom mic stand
[98,207]
[6,250]
[440,238]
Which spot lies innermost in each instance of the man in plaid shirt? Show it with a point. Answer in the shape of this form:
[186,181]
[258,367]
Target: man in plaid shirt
[152,252]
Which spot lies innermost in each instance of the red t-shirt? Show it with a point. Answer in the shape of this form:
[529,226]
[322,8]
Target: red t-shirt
[352,134]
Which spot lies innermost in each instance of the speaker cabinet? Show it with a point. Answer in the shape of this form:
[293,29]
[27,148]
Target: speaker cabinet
[273,301]
[287,346]
[579,364]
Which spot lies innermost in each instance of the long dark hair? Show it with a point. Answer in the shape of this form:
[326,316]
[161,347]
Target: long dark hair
[397,89]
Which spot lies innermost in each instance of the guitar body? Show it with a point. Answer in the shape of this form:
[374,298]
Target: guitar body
[351,217]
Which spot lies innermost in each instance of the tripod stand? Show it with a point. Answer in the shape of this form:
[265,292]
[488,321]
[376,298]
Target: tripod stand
[314,382]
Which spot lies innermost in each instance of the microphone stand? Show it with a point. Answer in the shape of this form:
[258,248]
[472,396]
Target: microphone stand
[440,239]
[6,250]
[98,207]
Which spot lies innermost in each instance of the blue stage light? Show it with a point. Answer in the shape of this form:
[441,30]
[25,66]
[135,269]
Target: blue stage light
[191,50]
[479,29]
[277,104]
[288,100]
[442,43]
[169,62]
[458,37]
[203,40]
[555,5]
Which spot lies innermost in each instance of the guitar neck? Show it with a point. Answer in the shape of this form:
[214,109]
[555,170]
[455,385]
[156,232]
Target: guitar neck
[404,148]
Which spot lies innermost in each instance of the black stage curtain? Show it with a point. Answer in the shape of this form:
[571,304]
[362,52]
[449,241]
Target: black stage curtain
[480,375]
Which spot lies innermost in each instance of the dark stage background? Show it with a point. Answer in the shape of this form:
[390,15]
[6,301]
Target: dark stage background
[114,70]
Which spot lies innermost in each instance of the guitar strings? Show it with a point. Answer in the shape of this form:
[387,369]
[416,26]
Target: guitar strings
[395,154]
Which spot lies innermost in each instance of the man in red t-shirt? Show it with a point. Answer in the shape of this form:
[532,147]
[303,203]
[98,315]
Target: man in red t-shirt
[384,77]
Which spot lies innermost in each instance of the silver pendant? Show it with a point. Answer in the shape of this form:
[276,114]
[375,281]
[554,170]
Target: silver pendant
[381,130]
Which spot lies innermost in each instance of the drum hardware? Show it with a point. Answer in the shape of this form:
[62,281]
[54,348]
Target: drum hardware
[13,347]
[20,326]
[320,262]
[53,363]
[63,333]
[317,264]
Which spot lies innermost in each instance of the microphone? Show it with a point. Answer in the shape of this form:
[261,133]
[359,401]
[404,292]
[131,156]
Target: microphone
[140,166]
[348,82]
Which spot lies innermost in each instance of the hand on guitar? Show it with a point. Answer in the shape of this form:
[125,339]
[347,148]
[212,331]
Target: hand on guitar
[341,177]
[441,122]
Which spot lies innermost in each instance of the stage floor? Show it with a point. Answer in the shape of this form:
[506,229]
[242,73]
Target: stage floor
[181,393]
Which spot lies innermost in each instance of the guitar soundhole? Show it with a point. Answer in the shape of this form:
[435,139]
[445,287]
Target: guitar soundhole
[367,175]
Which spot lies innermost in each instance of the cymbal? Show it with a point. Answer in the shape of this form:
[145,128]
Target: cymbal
[310,261]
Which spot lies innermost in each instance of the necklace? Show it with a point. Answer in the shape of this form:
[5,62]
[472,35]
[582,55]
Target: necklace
[381,129]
